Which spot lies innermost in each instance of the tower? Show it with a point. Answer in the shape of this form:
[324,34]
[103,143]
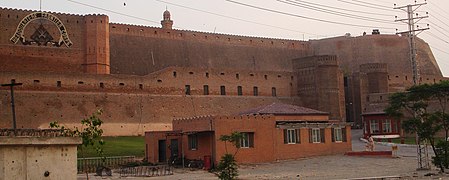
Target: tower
[97,44]
[167,23]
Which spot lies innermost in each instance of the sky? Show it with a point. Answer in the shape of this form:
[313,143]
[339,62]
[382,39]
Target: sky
[285,19]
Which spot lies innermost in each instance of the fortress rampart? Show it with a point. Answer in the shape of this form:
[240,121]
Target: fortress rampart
[143,77]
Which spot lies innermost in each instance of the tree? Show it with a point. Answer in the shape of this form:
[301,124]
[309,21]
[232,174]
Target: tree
[227,167]
[423,108]
[90,133]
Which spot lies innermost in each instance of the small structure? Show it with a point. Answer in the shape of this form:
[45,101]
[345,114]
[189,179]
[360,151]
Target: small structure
[273,132]
[378,124]
[37,154]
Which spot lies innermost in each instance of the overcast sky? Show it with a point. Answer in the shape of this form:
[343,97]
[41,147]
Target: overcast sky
[287,19]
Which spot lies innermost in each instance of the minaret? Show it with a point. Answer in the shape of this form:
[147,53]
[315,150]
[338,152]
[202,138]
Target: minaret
[167,23]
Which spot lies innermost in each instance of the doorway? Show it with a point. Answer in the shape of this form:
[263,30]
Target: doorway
[162,151]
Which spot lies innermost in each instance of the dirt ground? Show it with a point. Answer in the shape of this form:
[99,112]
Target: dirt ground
[322,167]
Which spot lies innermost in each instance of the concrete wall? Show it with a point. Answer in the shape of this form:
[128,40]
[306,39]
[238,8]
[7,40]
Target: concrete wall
[30,157]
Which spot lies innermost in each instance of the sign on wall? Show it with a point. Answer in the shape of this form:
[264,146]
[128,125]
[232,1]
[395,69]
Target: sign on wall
[41,36]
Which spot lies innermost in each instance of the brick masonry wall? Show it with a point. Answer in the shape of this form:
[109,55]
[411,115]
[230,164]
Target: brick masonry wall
[154,48]
[170,81]
[390,49]
[89,39]
[320,84]
[124,113]
[268,140]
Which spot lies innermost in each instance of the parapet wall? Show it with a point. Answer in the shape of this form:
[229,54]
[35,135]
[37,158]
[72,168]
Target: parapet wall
[152,49]
[402,81]
[374,68]
[147,31]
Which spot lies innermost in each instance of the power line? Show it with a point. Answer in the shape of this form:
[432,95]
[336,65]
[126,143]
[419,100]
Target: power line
[436,12]
[363,5]
[445,52]
[440,21]
[435,36]
[386,2]
[304,17]
[234,18]
[442,10]
[119,13]
[343,9]
[382,6]
[440,31]
[315,8]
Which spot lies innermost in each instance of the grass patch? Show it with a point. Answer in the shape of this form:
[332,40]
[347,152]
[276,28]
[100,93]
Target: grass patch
[118,146]
[412,140]
[407,140]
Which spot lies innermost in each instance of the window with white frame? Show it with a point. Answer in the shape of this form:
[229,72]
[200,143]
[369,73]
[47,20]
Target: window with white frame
[337,135]
[247,141]
[193,141]
[291,136]
[374,126]
[386,126]
[316,135]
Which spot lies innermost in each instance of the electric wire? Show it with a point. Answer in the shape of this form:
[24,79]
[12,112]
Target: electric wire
[442,10]
[445,52]
[315,8]
[119,13]
[363,5]
[438,27]
[440,20]
[386,2]
[234,18]
[435,36]
[343,9]
[304,17]
[436,12]
[382,6]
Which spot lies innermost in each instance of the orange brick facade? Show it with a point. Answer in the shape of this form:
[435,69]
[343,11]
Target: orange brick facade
[268,139]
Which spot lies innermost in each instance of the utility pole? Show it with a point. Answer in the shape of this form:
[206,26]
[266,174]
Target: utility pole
[13,83]
[411,20]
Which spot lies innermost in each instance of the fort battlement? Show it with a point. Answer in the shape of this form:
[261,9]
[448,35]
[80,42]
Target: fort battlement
[67,19]
[147,31]
[314,61]
[400,81]
[374,68]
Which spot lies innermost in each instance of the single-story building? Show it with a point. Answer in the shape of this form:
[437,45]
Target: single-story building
[378,124]
[273,132]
